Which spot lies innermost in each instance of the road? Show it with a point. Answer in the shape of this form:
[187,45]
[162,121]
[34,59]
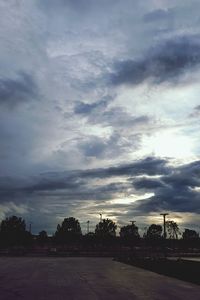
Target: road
[86,279]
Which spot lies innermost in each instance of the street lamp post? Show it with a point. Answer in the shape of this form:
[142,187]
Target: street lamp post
[100,217]
[88,226]
[30,227]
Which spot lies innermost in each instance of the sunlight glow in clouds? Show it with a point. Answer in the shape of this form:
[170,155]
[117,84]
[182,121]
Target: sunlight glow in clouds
[170,144]
[132,198]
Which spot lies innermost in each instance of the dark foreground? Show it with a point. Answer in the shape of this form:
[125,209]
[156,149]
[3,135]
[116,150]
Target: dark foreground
[86,278]
[187,269]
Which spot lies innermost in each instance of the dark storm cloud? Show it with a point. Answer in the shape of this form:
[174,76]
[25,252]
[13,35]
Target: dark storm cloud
[181,180]
[147,184]
[149,166]
[191,169]
[163,63]
[174,192]
[17,90]
[77,179]
[171,199]
[53,184]
[174,188]
[68,188]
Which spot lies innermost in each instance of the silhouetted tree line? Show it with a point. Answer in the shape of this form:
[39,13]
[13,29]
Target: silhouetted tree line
[13,233]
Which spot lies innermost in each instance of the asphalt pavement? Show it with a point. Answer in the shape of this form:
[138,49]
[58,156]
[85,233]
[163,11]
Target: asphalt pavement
[86,279]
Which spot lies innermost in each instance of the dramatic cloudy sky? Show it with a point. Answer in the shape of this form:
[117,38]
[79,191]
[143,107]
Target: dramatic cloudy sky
[99,111]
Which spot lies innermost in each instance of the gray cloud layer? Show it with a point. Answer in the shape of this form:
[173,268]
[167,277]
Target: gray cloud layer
[174,188]
[166,62]
[175,191]
[17,90]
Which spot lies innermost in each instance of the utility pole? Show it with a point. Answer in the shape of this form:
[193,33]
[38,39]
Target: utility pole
[88,226]
[132,222]
[164,224]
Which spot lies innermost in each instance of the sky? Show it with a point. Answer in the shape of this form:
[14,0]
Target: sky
[99,111]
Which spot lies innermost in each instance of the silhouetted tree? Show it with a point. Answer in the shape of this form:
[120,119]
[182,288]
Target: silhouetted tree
[13,231]
[13,224]
[189,235]
[154,232]
[129,232]
[69,230]
[89,240]
[106,228]
[42,237]
[172,229]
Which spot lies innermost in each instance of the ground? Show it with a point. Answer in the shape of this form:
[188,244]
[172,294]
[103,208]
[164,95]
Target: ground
[86,278]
